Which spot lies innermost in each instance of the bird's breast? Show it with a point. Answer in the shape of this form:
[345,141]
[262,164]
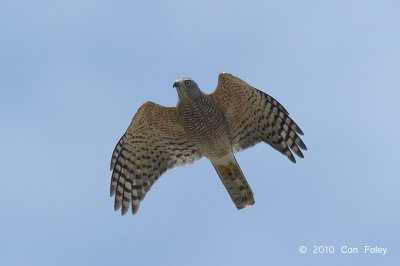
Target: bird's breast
[206,127]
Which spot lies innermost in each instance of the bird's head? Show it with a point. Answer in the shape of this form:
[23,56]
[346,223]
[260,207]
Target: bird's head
[187,89]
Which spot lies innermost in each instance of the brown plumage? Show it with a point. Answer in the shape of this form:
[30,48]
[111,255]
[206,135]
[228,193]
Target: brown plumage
[234,117]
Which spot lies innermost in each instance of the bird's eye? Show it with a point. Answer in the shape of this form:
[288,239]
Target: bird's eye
[188,82]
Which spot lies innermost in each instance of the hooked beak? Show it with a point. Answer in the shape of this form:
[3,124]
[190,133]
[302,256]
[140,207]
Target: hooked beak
[176,84]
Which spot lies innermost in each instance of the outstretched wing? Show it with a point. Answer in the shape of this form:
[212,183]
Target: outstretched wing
[154,142]
[254,116]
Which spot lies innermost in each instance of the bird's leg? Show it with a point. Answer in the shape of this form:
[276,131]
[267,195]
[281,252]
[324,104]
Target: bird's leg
[228,170]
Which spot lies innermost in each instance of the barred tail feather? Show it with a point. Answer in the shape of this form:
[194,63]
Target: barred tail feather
[235,183]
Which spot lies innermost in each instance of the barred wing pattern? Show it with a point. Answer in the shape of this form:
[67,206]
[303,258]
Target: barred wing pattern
[254,116]
[154,142]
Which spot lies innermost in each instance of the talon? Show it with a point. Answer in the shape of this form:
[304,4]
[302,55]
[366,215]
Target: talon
[228,170]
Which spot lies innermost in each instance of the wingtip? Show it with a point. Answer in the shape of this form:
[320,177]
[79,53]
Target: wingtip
[135,209]
[124,210]
[298,152]
[302,145]
[113,188]
[117,205]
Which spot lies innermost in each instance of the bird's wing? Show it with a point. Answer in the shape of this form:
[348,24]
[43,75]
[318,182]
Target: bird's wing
[254,116]
[154,142]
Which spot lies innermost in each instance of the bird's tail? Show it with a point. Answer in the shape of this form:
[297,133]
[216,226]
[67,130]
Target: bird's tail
[235,183]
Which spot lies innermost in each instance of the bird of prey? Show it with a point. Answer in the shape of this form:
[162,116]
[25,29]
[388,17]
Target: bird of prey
[234,117]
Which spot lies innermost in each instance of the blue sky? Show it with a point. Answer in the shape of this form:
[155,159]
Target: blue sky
[73,73]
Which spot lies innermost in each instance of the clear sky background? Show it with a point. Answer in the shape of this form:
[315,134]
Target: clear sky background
[73,73]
